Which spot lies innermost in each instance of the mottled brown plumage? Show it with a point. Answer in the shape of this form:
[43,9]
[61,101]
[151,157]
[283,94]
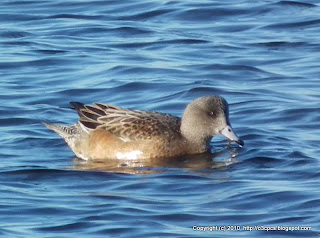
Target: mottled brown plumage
[130,125]
[110,132]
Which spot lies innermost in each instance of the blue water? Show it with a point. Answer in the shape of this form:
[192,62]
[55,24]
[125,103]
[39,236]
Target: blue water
[262,56]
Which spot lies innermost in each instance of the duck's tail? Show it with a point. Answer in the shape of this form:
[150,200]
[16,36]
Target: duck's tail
[71,134]
[66,132]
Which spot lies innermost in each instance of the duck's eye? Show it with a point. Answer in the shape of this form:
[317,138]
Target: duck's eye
[212,114]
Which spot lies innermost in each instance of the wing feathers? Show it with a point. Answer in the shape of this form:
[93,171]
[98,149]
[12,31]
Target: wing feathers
[127,124]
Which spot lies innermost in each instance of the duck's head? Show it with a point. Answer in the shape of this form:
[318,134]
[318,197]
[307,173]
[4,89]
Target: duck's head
[208,116]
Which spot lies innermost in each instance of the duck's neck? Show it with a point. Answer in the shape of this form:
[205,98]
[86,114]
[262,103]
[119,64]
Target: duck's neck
[196,141]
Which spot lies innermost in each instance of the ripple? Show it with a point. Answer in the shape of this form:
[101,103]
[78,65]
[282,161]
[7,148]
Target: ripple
[72,16]
[297,24]
[145,15]
[14,34]
[296,4]
[209,13]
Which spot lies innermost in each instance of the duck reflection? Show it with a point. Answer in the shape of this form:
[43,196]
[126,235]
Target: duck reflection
[206,161]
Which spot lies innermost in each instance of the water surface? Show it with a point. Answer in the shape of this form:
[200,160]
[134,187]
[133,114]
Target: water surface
[262,56]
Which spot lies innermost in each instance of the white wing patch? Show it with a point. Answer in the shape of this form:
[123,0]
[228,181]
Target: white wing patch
[133,155]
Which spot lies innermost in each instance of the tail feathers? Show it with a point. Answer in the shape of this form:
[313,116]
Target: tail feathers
[66,132]
[72,135]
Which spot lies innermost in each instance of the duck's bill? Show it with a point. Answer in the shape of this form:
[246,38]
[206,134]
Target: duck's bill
[229,133]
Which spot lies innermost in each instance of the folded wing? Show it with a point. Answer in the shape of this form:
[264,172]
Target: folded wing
[128,124]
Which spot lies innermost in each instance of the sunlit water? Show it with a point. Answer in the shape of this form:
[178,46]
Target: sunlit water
[262,56]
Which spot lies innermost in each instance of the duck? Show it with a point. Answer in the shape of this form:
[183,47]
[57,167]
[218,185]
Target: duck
[106,131]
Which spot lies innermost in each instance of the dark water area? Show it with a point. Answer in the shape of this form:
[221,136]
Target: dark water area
[262,56]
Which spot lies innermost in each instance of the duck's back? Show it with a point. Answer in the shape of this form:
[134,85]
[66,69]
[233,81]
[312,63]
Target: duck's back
[119,133]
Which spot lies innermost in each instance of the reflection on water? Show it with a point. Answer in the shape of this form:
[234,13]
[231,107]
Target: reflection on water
[192,162]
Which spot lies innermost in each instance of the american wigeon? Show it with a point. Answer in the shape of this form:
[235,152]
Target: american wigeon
[110,132]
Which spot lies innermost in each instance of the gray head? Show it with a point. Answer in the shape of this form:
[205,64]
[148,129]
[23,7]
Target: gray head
[206,117]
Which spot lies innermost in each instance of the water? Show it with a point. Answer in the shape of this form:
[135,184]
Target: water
[262,56]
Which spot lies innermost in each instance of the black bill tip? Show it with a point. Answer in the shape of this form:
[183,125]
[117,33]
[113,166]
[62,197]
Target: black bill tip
[239,142]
